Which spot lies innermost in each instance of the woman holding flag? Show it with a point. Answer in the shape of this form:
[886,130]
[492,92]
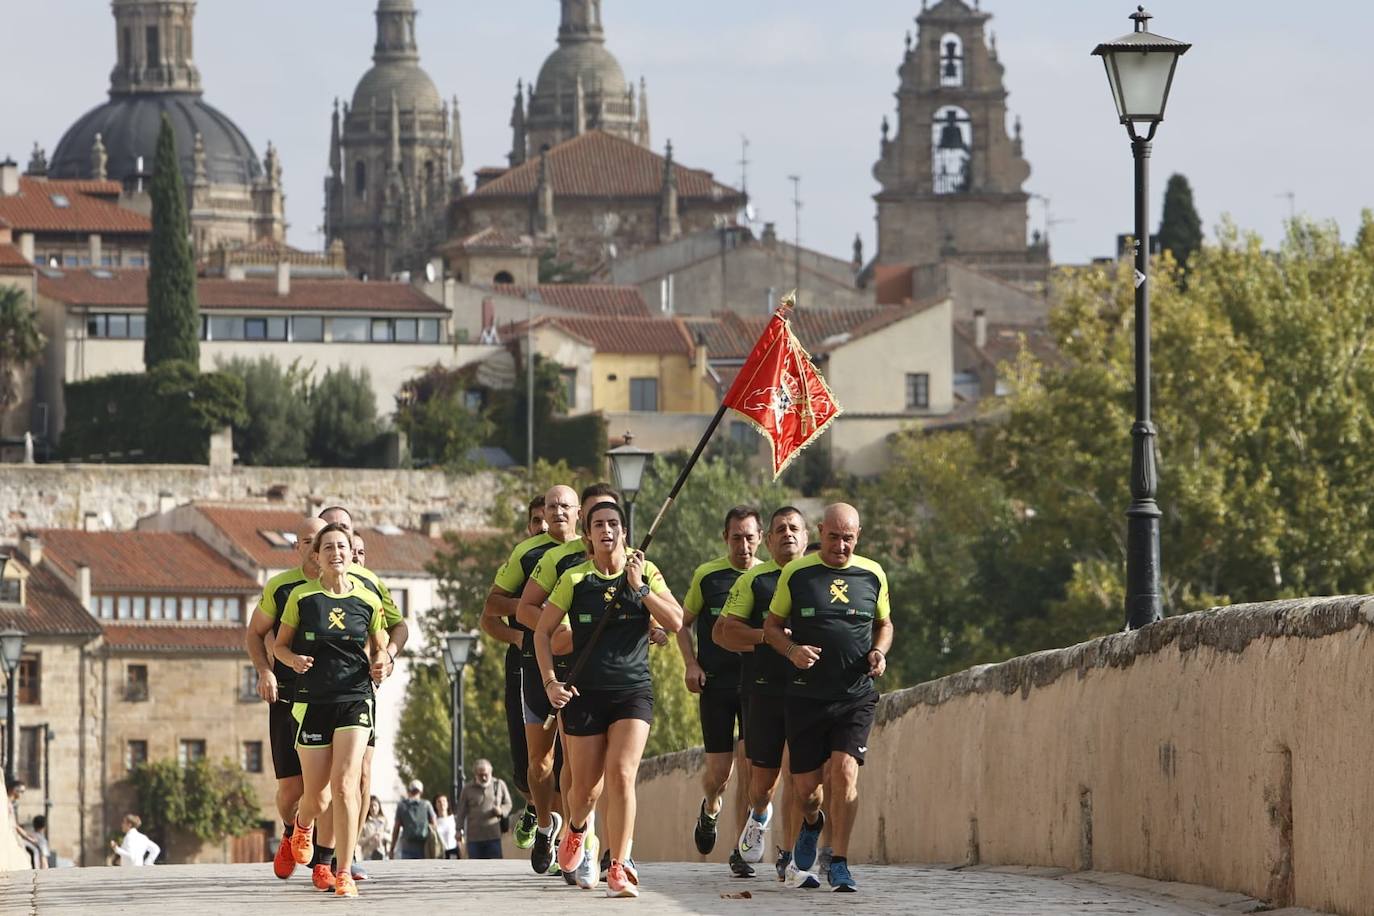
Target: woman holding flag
[608,601]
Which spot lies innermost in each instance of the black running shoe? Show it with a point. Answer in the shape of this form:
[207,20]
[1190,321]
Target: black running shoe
[739,867]
[541,856]
[605,861]
[705,831]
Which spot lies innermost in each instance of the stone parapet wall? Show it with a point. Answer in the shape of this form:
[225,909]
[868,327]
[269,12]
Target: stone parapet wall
[63,495]
[1228,748]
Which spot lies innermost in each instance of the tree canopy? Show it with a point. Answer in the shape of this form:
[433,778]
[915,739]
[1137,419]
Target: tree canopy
[21,342]
[173,329]
[1180,228]
[277,412]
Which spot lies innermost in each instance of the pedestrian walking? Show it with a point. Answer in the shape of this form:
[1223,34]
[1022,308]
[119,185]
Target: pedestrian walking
[447,828]
[373,842]
[135,849]
[483,806]
[415,819]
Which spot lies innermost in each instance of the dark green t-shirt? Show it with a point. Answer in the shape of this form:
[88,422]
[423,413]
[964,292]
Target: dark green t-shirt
[833,608]
[705,598]
[274,595]
[511,579]
[763,671]
[620,658]
[333,630]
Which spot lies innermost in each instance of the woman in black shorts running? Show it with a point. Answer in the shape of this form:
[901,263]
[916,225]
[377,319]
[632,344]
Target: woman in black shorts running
[606,716]
[331,635]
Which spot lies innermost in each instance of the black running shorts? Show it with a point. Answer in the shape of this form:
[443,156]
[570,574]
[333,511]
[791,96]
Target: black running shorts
[281,734]
[515,723]
[593,711]
[319,721]
[765,730]
[817,728]
[720,712]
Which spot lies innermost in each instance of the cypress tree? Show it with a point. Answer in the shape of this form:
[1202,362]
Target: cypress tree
[1180,229]
[173,330]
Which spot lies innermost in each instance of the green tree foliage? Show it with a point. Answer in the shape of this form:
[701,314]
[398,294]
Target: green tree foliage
[433,412]
[173,313]
[507,410]
[343,418]
[1012,538]
[21,342]
[277,412]
[209,801]
[1180,229]
[165,415]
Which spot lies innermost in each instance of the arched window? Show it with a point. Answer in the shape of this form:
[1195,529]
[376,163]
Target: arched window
[952,151]
[504,279]
[360,179]
[951,60]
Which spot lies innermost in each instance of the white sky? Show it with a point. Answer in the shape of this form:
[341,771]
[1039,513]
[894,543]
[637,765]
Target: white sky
[1271,99]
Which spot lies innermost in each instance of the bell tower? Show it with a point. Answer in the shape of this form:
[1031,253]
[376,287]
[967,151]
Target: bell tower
[953,177]
[154,45]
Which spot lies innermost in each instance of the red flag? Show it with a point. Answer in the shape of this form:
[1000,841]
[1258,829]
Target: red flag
[780,392]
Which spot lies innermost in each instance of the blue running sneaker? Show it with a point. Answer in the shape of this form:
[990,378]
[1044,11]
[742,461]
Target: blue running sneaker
[804,852]
[841,881]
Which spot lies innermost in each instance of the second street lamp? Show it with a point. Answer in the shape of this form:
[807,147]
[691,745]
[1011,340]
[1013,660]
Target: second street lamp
[11,651]
[1140,68]
[627,468]
[457,650]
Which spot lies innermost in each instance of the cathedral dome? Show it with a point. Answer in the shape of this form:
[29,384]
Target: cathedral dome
[413,88]
[588,59]
[129,124]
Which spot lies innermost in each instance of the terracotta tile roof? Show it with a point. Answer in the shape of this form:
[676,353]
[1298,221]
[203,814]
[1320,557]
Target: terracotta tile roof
[12,259]
[642,336]
[149,561]
[39,207]
[50,607]
[191,638]
[1005,341]
[111,288]
[602,300]
[493,239]
[390,552]
[598,164]
[731,336]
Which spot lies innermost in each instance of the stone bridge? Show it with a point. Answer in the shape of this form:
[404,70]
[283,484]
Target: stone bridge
[1214,762]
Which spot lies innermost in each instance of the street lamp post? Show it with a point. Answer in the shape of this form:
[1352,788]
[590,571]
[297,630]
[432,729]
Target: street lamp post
[457,649]
[1140,67]
[627,468]
[11,649]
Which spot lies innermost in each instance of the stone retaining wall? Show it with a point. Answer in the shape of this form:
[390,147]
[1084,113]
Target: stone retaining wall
[62,495]
[1228,748]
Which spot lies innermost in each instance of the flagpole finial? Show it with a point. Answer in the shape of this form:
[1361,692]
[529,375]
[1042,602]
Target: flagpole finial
[787,303]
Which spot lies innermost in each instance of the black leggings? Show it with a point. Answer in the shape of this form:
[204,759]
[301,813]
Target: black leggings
[515,724]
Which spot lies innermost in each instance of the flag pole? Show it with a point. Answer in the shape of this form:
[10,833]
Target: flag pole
[784,308]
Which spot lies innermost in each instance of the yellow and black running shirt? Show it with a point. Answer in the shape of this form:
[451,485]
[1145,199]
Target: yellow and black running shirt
[833,608]
[763,671]
[391,615]
[705,598]
[274,595]
[620,658]
[556,561]
[333,630]
[513,575]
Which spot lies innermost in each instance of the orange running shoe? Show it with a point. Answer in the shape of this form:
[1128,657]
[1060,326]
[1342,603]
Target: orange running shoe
[322,878]
[284,863]
[618,883]
[302,846]
[344,886]
[571,851]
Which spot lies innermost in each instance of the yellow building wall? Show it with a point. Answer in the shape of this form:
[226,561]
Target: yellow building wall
[681,386]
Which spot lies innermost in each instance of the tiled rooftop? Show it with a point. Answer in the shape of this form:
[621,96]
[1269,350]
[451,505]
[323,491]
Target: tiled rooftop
[70,206]
[148,561]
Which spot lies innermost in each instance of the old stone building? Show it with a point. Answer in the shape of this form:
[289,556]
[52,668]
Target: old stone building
[952,177]
[233,198]
[596,196]
[581,87]
[395,156]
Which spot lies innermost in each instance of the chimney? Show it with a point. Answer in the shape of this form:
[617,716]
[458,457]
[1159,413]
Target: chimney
[83,586]
[9,178]
[770,234]
[26,246]
[235,273]
[90,522]
[166,502]
[429,524]
[283,279]
[980,328]
[702,354]
[93,242]
[33,550]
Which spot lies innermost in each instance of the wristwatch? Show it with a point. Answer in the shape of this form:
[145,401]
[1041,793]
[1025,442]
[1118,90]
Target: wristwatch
[642,592]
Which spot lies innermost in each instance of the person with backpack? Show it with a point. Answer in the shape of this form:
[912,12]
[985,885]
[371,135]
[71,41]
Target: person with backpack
[415,819]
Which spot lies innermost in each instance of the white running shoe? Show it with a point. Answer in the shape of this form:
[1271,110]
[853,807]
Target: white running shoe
[801,879]
[753,842]
[589,871]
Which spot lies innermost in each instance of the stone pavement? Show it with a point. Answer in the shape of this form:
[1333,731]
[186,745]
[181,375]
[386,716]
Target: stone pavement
[508,887]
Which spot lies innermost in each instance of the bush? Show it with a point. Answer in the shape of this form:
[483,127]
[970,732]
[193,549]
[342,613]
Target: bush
[209,801]
[343,419]
[277,417]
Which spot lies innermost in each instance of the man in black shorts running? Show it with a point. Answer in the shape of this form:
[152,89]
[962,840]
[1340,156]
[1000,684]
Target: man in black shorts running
[714,674]
[763,682]
[276,685]
[836,605]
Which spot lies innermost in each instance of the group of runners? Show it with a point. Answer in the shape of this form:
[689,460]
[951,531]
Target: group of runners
[781,653]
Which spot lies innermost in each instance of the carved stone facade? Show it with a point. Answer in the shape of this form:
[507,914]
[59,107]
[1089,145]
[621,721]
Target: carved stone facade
[232,199]
[395,157]
[581,87]
[952,178]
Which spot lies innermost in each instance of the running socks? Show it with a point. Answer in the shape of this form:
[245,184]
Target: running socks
[761,818]
[576,829]
[323,855]
[287,830]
